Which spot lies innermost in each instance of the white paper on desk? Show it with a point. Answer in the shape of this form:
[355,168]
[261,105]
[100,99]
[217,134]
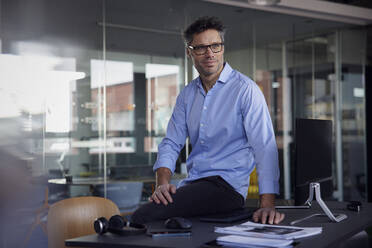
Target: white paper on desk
[248,242]
[257,230]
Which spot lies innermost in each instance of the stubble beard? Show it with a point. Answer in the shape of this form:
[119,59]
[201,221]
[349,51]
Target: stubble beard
[208,71]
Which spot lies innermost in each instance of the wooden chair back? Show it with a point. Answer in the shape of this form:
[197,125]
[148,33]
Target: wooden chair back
[74,217]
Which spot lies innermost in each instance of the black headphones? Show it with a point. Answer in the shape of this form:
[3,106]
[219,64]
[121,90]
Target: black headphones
[118,225]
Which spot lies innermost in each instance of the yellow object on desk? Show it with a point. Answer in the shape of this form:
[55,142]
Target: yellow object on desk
[253,186]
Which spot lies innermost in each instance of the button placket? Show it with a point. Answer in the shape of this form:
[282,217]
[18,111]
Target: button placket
[203,118]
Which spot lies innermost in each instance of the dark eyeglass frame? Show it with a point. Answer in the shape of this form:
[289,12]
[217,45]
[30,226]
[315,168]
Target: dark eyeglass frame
[204,48]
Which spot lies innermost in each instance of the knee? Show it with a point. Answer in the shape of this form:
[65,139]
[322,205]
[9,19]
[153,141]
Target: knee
[138,218]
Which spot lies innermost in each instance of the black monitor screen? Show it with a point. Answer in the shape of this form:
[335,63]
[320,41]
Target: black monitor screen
[313,157]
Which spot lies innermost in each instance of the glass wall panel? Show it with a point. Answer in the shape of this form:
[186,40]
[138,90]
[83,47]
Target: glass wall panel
[353,64]
[326,73]
[46,109]
[311,67]
[156,53]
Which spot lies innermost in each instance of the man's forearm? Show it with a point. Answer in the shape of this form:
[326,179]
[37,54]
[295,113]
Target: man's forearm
[163,176]
[267,200]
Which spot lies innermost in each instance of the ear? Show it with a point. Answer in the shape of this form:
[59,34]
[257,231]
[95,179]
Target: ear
[188,52]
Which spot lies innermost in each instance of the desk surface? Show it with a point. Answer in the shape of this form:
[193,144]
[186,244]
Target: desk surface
[333,233]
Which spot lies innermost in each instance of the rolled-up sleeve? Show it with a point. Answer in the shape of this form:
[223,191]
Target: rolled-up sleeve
[171,145]
[261,138]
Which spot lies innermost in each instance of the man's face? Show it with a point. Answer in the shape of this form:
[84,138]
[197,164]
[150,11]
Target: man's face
[209,63]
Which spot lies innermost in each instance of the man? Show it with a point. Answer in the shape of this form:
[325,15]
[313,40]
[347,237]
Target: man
[225,116]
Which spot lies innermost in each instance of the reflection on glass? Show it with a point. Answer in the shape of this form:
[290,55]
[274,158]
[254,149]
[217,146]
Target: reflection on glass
[118,79]
[54,87]
[162,90]
[42,94]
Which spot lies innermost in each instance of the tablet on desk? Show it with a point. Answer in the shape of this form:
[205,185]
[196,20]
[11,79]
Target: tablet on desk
[169,233]
[229,217]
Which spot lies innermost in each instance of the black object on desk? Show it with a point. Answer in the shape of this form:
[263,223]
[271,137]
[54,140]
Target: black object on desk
[161,233]
[354,206]
[313,158]
[178,223]
[117,225]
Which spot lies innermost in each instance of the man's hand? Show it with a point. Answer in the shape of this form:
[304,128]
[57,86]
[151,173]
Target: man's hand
[163,190]
[267,212]
[269,215]
[162,194]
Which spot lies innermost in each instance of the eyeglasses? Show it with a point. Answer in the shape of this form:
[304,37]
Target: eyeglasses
[200,50]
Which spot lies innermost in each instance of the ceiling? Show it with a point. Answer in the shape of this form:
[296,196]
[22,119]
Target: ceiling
[144,26]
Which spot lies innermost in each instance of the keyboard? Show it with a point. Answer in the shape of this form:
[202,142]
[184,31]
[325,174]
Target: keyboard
[229,217]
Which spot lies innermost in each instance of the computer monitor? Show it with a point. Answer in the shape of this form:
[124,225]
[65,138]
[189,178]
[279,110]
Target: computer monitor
[313,158]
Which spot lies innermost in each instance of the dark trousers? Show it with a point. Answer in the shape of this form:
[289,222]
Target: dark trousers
[204,196]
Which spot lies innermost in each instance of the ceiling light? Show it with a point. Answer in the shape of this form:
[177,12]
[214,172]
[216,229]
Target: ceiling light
[264,2]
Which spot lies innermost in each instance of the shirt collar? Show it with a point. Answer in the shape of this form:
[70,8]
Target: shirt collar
[225,73]
[223,78]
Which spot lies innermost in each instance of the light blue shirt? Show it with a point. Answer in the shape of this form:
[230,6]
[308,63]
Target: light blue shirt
[230,131]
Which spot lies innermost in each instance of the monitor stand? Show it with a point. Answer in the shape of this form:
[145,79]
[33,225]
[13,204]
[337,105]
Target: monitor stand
[315,187]
[306,205]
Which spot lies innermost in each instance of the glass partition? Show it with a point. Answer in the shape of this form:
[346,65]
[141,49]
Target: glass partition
[94,93]
[352,64]
[45,113]
[85,98]
[311,69]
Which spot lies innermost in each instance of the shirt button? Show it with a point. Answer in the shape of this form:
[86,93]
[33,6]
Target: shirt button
[202,141]
[201,124]
[205,107]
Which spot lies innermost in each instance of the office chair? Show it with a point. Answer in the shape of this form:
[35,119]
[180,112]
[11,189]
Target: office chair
[74,217]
